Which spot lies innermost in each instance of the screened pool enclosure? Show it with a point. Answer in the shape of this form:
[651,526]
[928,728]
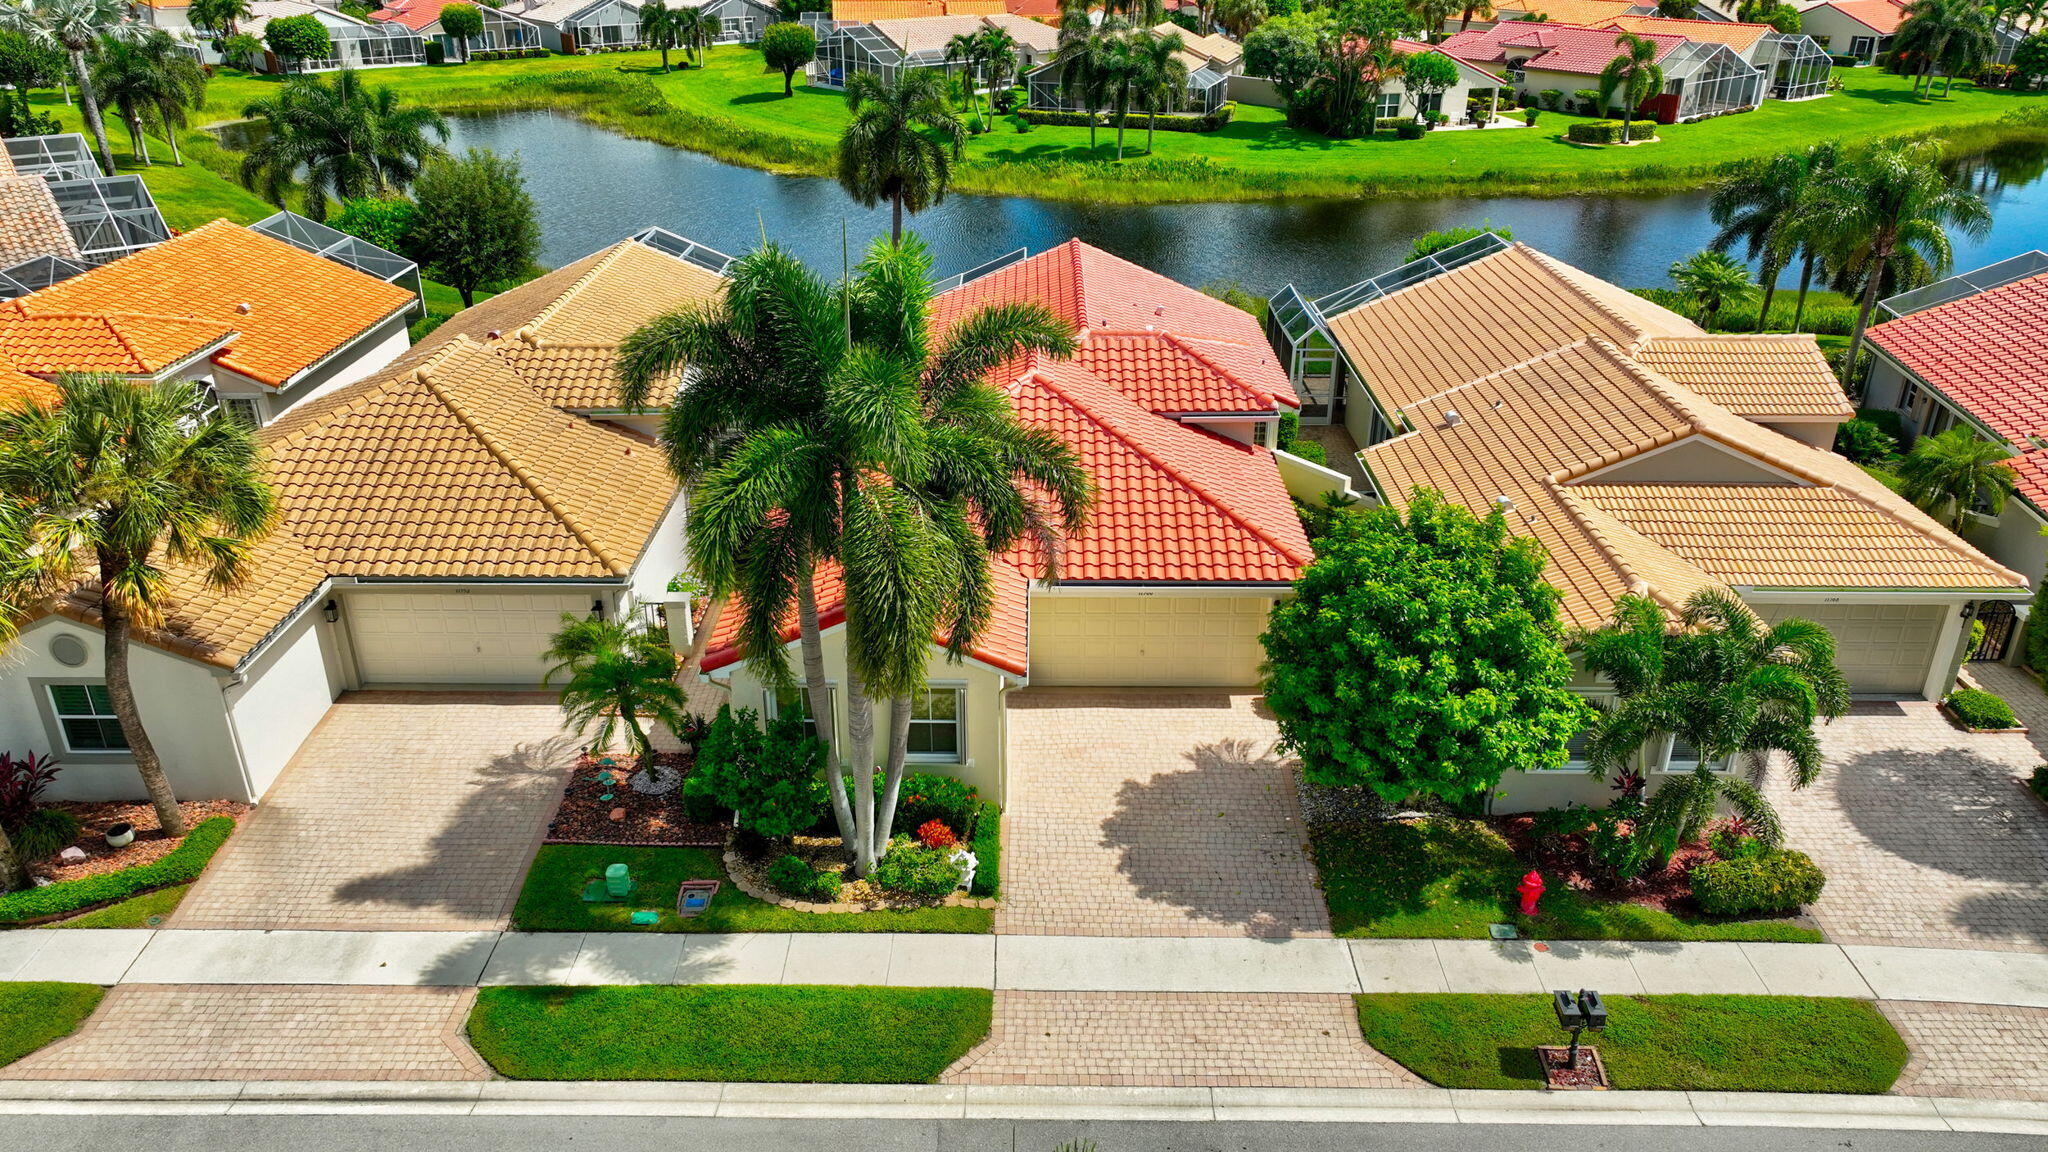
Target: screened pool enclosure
[1709,79]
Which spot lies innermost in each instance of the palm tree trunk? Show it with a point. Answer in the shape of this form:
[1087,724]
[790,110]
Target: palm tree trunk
[1770,279]
[1805,282]
[1626,120]
[89,104]
[121,693]
[700,643]
[12,875]
[171,138]
[1151,126]
[642,747]
[818,697]
[1879,260]
[896,217]
[1091,127]
[1123,117]
[892,772]
[860,732]
[140,144]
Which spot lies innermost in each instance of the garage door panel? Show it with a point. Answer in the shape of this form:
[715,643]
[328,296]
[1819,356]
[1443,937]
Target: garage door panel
[1881,648]
[456,637]
[1147,641]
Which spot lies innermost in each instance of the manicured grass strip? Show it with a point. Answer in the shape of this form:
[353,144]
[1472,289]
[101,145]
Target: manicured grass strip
[752,1032]
[181,866]
[33,1014]
[1705,1043]
[135,912]
[552,899]
[1449,879]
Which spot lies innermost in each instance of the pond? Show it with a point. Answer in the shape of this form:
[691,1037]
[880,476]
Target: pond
[595,187]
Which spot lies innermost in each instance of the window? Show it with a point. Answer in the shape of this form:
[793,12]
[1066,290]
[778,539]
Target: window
[1259,436]
[1861,46]
[735,27]
[796,702]
[1515,69]
[1909,394]
[242,410]
[87,718]
[935,724]
[1682,757]
[1389,106]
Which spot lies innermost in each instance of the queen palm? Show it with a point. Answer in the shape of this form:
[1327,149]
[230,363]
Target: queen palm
[1432,15]
[75,28]
[965,49]
[221,18]
[658,26]
[1633,75]
[148,77]
[1934,29]
[1762,206]
[115,482]
[694,29]
[1471,9]
[338,139]
[1162,79]
[618,676]
[1085,64]
[1239,17]
[20,584]
[999,58]
[1726,685]
[1123,76]
[1713,280]
[1949,475]
[900,144]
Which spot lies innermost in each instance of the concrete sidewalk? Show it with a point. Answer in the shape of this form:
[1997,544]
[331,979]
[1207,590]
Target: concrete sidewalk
[1021,963]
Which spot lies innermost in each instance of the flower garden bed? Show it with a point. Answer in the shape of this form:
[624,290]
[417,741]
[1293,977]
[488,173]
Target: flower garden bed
[149,846]
[600,788]
[749,872]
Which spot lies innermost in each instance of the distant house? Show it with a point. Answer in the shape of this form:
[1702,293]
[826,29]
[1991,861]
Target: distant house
[1859,28]
[59,208]
[889,48]
[357,43]
[503,31]
[1794,65]
[1211,62]
[584,26]
[1586,12]
[1700,78]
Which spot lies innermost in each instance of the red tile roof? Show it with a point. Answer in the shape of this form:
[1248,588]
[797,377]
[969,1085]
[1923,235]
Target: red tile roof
[413,14]
[1883,16]
[1549,47]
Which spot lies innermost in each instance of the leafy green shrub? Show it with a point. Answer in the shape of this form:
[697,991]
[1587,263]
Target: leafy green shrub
[1309,450]
[1976,708]
[382,220]
[1551,98]
[46,832]
[987,846]
[1865,443]
[1887,421]
[927,796]
[1609,131]
[1409,130]
[1175,123]
[1778,880]
[1289,440]
[2037,784]
[770,777]
[1586,100]
[791,875]
[437,53]
[181,865]
[1844,60]
[1529,116]
[911,868]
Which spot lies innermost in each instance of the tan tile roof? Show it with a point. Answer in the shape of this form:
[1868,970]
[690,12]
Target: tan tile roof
[1758,376]
[30,223]
[1221,49]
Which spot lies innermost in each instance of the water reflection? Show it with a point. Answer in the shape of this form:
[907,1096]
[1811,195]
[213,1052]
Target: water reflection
[595,187]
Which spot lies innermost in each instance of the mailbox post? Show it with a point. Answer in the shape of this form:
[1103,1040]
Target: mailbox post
[1576,1014]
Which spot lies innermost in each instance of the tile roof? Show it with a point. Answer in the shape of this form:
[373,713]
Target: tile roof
[1412,47]
[289,308]
[1588,12]
[123,343]
[31,224]
[1215,46]
[1882,16]
[933,33]
[1549,47]
[413,14]
[1758,376]
[1739,36]
[1552,394]
[17,386]
[871,11]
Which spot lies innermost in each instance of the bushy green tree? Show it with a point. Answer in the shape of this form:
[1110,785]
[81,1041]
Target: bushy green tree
[1421,654]
[1283,50]
[296,39]
[382,220]
[789,47]
[2030,59]
[772,777]
[473,222]
[1427,74]
[1430,243]
[462,21]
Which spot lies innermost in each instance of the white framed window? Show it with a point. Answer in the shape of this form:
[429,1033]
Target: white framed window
[1861,46]
[242,410]
[1680,757]
[797,702]
[937,724]
[85,715]
[1389,106]
[1909,394]
[735,26]
[1259,436]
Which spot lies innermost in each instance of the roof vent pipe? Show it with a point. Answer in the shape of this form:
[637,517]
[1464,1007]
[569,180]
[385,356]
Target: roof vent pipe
[1451,418]
[1506,504]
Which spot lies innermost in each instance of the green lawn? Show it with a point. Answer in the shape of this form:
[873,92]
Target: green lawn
[1674,1043]
[743,1032]
[1449,879]
[552,899]
[134,912]
[33,1014]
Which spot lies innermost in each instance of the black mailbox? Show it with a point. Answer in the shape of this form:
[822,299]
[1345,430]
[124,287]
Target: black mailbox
[1569,1015]
[1593,1010]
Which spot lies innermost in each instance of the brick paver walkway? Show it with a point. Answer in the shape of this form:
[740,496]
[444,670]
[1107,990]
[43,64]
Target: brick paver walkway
[403,810]
[1926,836]
[1973,1050]
[1177,1040]
[265,1032]
[1135,813]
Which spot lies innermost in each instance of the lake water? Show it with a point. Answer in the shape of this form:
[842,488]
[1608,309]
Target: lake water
[595,187]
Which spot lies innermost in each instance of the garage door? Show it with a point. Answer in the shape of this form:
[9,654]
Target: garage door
[1882,648]
[1149,641]
[456,637]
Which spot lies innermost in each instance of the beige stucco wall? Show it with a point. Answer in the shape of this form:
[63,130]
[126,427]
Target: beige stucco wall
[1694,460]
[1819,433]
[284,692]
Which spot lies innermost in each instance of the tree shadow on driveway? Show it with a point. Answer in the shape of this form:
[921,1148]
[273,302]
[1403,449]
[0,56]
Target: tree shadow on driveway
[1950,809]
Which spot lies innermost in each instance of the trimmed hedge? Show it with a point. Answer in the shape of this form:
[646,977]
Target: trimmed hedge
[2038,782]
[988,850]
[182,865]
[1976,708]
[1775,881]
[1138,121]
[1609,131]
[796,878]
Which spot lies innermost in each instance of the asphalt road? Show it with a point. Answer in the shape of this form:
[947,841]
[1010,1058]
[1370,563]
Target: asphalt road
[369,1133]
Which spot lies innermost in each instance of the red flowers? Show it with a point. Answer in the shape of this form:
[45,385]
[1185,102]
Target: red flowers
[935,834]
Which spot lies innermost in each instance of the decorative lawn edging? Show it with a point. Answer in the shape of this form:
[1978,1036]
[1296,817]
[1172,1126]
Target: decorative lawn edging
[35,1013]
[1652,1043]
[729,1032]
[181,865]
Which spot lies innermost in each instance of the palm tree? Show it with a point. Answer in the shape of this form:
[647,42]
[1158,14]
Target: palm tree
[618,675]
[1634,74]
[1239,17]
[1479,9]
[1162,79]
[999,57]
[114,481]
[220,18]
[1726,685]
[339,140]
[1950,475]
[1713,280]
[124,78]
[1762,205]
[1122,76]
[694,28]
[150,77]
[1084,56]
[659,27]
[74,27]
[965,49]
[888,151]
[1889,210]
[1432,15]
[181,90]
[1935,32]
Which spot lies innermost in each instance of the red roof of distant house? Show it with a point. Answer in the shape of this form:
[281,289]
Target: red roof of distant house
[1048,10]
[1175,504]
[1411,47]
[1989,354]
[1548,47]
[1883,16]
[413,14]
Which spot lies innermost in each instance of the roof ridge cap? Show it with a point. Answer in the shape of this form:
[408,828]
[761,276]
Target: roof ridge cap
[1638,583]
[121,338]
[490,443]
[1668,390]
[553,306]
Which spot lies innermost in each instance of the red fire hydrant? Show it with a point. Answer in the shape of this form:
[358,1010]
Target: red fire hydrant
[1531,888]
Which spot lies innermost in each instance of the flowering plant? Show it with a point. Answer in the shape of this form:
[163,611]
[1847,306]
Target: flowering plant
[935,834]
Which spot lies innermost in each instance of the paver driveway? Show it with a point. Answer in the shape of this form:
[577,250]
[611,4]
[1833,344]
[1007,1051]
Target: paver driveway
[403,810]
[1924,831]
[1152,813]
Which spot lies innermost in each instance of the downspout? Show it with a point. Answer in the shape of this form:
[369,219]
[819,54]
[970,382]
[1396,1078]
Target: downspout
[1003,687]
[227,710]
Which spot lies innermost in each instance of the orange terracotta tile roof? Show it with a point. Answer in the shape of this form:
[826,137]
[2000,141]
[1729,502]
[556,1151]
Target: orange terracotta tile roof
[1588,12]
[1758,376]
[869,11]
[413,14]
[1739,36]
[126,344]
[18,387]
[31,225]
[1566,434]
[1882,16]
[1553,47]
[300,308]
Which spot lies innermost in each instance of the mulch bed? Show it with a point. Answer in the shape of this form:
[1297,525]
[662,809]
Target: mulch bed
[828,854]
[150,843]
[585,816]
[1558,1075]
[1667,890]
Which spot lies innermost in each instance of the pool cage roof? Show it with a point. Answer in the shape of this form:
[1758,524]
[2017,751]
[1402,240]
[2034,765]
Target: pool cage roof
[1711,78]
[1966,284]
[1414,272]
[1795,66]
[980,270]
[685,249]
[343,248]
[61,157]
[109,216]
[36,274]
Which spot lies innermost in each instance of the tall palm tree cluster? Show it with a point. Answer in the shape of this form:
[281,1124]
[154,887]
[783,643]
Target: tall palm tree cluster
[1114,67]
[338,139]
[81,30]
[1948,36]
[987,58]
[825,428]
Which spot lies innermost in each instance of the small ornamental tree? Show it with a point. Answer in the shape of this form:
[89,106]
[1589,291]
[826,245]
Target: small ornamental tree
[297,39]
[772,777]
[462,21]
[1421,654]
[2030,60]
[1427,74]
[382,220]
[472,222]
[789,47]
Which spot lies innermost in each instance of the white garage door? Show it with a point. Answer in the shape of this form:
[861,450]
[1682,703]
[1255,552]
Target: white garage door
[456,637]
[1150,641]
[1883,649]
